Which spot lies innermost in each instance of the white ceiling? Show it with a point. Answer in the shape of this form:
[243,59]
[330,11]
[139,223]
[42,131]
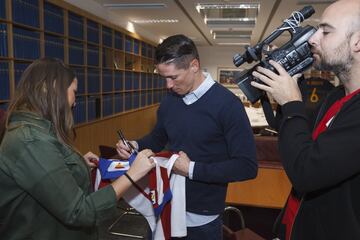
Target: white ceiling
[190,22]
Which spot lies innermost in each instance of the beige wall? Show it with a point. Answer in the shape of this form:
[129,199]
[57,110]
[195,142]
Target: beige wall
[212,58]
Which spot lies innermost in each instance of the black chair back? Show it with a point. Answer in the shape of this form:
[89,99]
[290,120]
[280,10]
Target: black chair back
[107,151]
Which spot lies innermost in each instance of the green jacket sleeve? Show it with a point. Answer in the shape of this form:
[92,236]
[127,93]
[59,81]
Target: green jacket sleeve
[55,176]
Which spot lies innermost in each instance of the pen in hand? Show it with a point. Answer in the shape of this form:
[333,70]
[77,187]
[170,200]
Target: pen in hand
[126,142]
[132,147]
[129,144]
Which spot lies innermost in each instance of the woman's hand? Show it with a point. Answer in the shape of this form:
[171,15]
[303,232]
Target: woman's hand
[139,168]
[141,165]
[90,159]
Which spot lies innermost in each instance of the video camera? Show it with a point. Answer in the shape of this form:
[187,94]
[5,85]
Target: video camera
[295,55]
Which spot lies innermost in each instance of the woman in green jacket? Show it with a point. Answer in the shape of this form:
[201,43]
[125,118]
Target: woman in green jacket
[45,187]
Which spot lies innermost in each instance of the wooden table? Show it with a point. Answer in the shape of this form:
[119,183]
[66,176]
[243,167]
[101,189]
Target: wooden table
[271,186]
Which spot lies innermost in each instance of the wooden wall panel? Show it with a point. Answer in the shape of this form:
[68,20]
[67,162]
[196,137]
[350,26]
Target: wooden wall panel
[134,124]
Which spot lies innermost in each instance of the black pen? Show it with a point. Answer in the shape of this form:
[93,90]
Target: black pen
[126,142]
[121,135]
[132,147]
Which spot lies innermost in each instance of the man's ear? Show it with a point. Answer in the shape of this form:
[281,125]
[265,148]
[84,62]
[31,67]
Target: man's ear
[355,42]
[195,65]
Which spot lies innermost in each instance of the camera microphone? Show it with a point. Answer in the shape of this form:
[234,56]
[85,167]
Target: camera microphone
[254,53]
[307,11]
[294,56]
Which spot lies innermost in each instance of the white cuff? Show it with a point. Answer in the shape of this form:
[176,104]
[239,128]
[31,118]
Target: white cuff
[191,169]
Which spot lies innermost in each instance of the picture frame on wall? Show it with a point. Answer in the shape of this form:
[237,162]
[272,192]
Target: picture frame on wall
[226,76]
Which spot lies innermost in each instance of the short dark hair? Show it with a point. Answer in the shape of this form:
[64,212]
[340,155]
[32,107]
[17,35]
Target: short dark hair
[177,49]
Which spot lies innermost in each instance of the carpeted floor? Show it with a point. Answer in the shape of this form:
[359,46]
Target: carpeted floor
[127,224]
[259,220]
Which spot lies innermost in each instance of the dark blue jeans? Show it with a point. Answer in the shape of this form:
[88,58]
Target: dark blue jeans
[210,231]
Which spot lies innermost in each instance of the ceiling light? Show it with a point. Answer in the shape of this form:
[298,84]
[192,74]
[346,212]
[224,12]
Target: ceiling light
[216,36]
[237,43]
[244,35]
[201,6]
[134,5]
[223,19]
[229,14]
[152,21]
[215,23]
[232,37]
[130,27]
[232,31]
[230,20]
[314,2]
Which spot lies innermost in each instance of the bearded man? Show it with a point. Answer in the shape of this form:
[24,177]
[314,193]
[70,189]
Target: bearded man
[322,161]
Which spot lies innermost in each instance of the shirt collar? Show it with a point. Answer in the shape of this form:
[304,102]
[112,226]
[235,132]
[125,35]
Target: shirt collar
[195,95]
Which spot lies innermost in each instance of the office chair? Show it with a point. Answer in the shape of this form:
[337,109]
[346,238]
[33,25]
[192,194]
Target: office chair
[241,232]
[128,212]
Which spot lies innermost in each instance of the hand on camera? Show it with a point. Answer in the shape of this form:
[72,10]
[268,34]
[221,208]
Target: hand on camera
[282,87]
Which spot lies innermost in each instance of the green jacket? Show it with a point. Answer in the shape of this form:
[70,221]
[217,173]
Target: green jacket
[45,187]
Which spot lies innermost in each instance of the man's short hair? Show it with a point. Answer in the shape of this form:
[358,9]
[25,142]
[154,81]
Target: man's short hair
[177,49]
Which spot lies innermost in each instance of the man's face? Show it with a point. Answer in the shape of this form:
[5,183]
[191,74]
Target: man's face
[180,81]
[331,43]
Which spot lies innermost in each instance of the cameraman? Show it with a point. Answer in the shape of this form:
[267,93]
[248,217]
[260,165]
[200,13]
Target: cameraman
[322,164]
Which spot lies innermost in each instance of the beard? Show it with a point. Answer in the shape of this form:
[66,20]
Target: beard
[339,61]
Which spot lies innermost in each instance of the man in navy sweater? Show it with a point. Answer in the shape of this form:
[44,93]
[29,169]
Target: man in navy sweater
[207,126]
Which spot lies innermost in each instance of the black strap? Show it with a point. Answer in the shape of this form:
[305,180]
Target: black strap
[138,187]
[268,111]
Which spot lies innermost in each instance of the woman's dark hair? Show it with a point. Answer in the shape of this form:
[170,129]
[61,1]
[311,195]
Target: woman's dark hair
[2,123]
[177,49]
[42,89]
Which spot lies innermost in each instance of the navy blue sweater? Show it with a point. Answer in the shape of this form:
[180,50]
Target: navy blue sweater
[216,134]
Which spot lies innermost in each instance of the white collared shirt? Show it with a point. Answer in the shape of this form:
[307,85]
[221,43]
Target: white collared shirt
[193,219]
[195,95]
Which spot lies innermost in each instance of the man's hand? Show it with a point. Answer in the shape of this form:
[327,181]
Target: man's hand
[123,150]
[181,165]
[282,86]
